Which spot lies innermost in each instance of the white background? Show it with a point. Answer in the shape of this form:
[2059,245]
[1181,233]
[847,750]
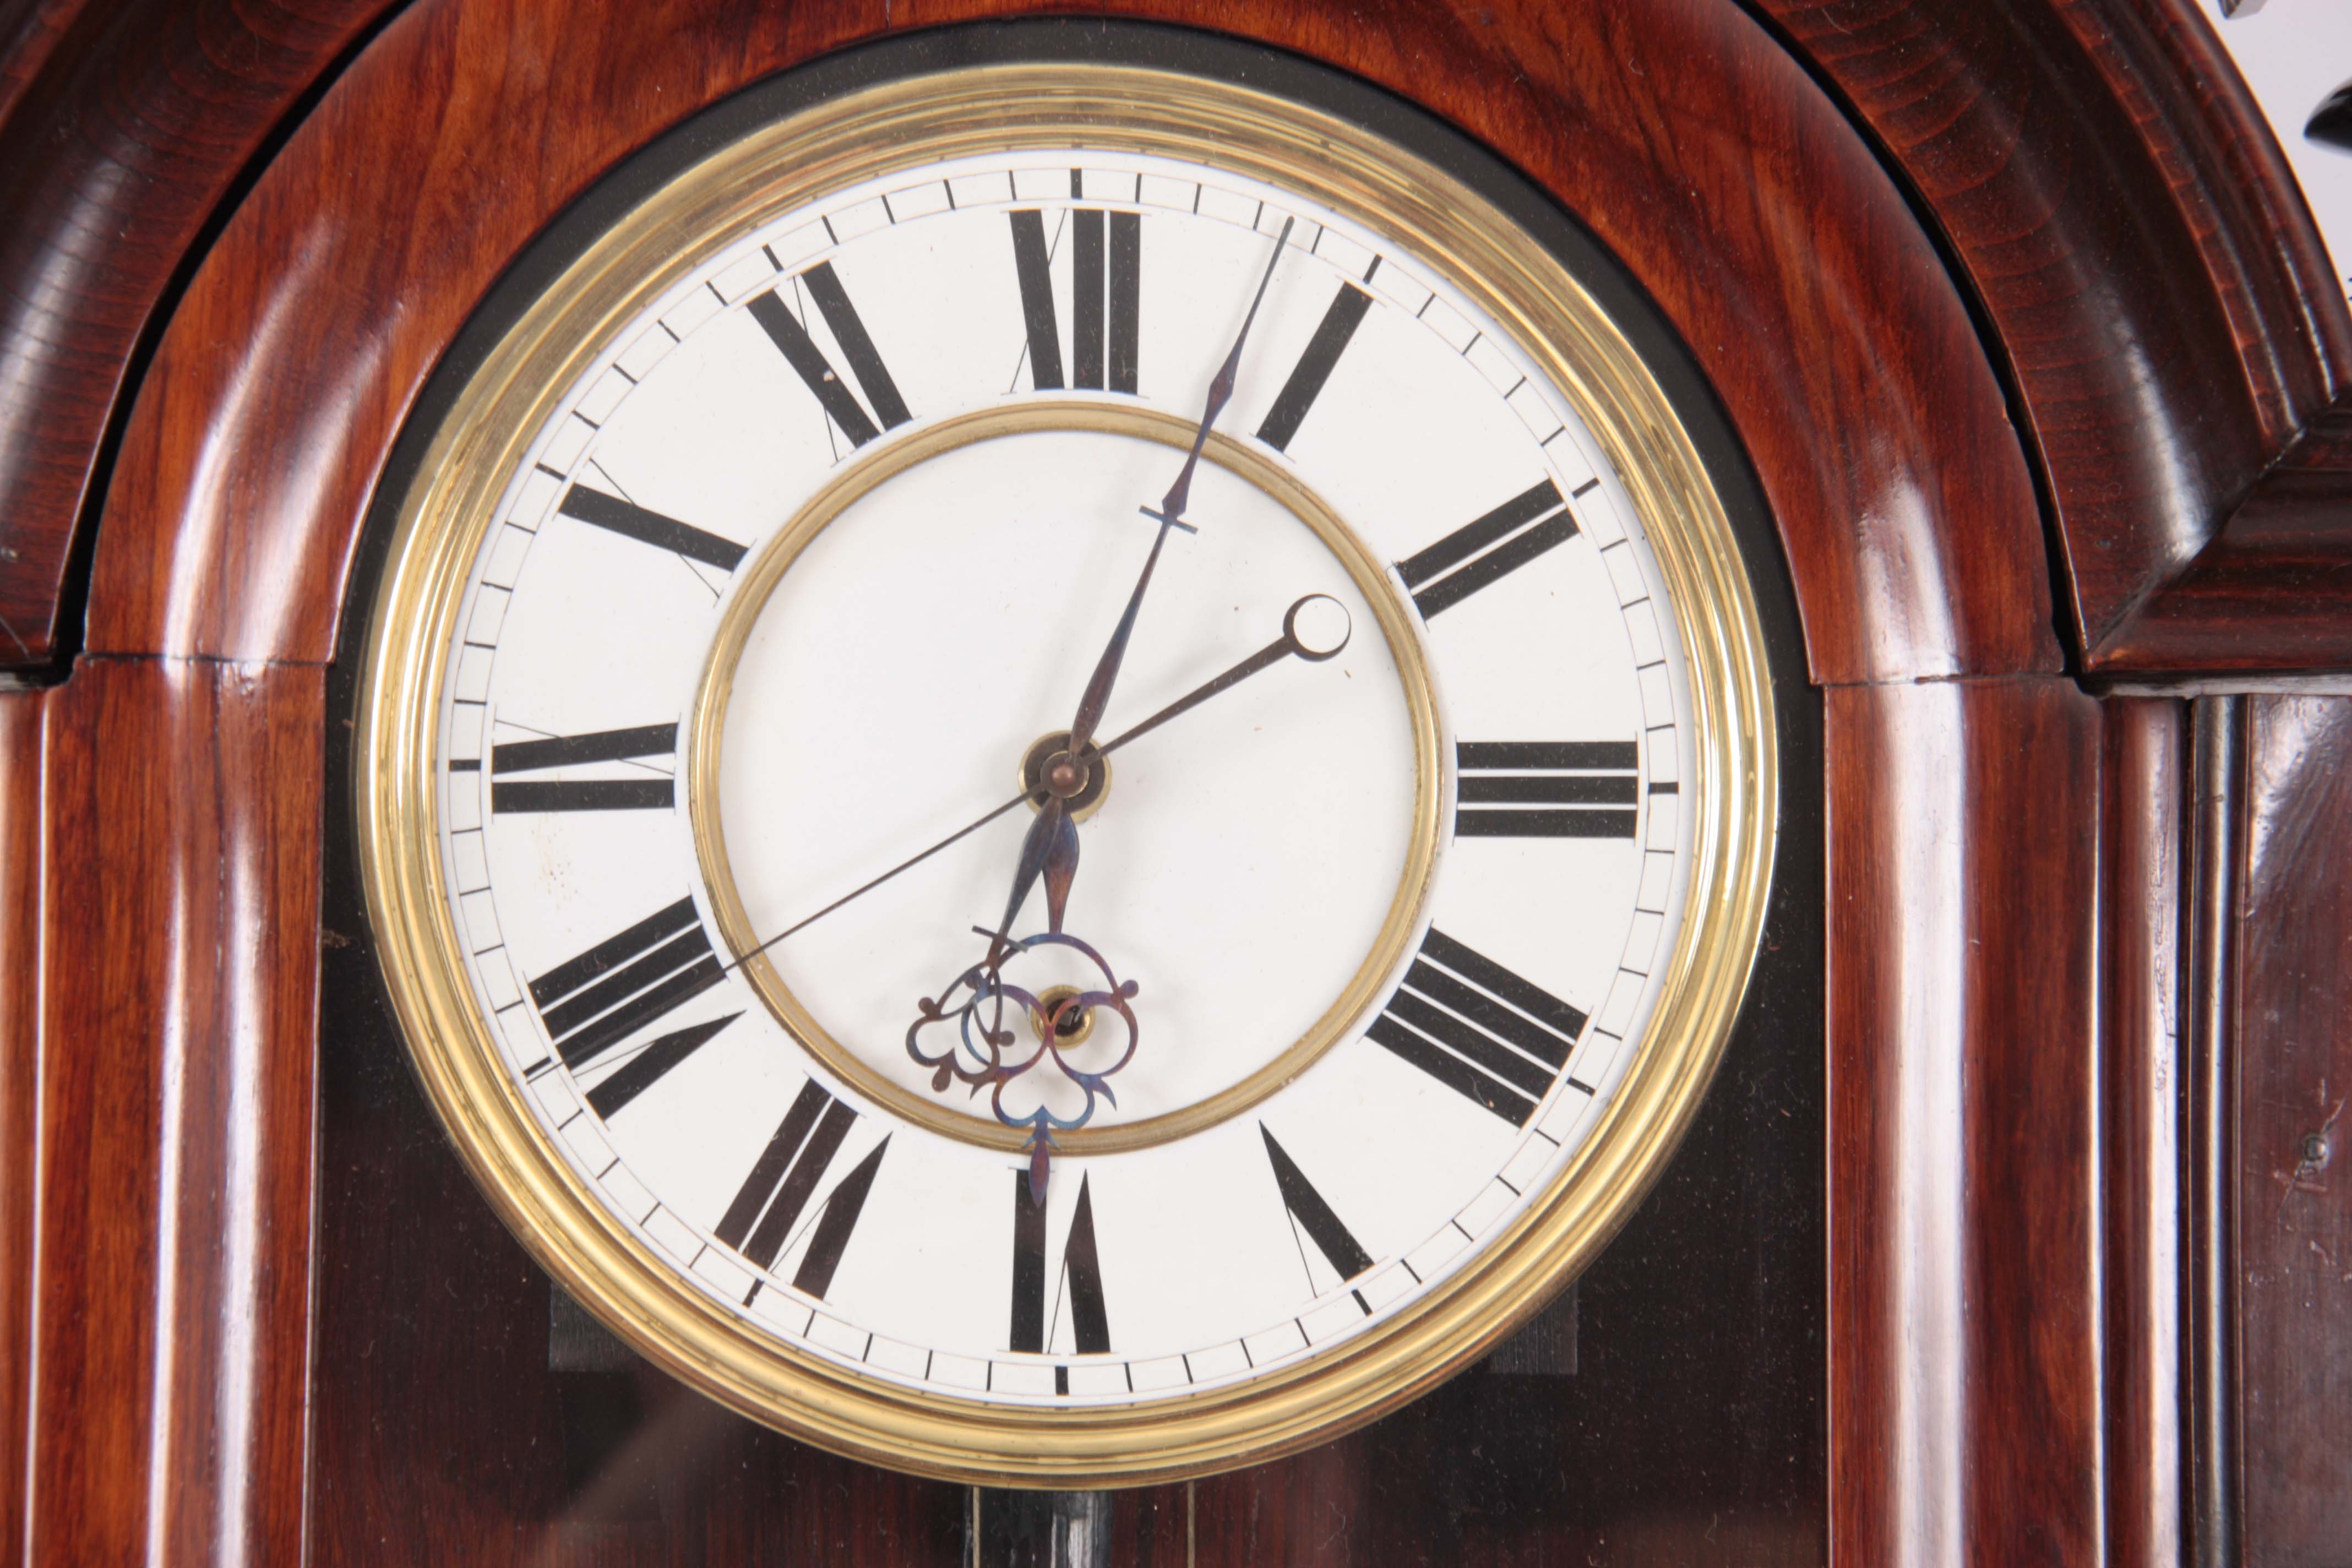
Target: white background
[2293,54]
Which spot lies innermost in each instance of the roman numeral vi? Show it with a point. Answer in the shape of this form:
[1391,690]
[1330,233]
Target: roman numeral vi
[1080,1263]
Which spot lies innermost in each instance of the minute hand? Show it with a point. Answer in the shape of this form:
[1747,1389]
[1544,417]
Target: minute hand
[1171,515]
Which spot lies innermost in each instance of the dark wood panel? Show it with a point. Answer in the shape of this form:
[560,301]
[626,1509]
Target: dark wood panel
[173,1218]
[2141,887]
[2293,1221]
[2273,590]
[21,721]
[1964,1107]
[1697,149]
[2143,254]
[130,123]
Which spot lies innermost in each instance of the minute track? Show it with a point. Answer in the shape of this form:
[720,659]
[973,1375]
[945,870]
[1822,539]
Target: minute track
[1242,1228]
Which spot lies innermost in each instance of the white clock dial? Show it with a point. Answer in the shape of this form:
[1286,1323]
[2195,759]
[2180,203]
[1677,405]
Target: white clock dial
[1024,876]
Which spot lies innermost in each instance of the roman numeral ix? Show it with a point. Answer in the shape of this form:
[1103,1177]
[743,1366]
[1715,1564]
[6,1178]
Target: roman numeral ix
[643,792]
[1311,1215]
[808,361]
[1546,789]
[1479,1029]
[1081,1267]
[1481,553]
[1106,262]
[592,1002]
[759,1223]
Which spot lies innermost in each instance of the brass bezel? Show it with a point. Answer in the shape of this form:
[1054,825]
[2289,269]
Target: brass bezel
[759,578]
[1447,225]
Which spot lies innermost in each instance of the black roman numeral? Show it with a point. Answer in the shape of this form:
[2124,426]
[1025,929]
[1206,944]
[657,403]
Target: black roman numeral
[1546,789]
[1080,1263]
[808,361]
[646,1069]
[1479,1029]
[641,794]
[784,1177]
[1483,552]
[632,522]
[1314,367]
[1341,1250]
[1104,298]
[592,1002]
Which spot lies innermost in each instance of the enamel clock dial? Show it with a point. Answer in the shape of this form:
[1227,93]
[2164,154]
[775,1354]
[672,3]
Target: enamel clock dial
[1066,774]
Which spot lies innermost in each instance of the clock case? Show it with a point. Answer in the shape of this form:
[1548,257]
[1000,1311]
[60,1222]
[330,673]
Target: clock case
[1761,1247]
[2037,360]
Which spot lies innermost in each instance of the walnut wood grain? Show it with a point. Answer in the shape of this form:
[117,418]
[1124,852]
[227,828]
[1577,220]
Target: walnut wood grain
[1696,148]
[2144,257]
[2273,592]
[123,127]
[179,927]
[2293,1231]
[1964,1139]
[2142,884]
[20,1062]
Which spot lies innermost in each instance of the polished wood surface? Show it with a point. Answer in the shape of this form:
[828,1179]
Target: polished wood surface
[21,770]
[1997,967]
[2293,1238]
[1693,145]
[1964,1339]
[123,126]
[172,1226]
[2142,882]
[2272,592]
[2147,263]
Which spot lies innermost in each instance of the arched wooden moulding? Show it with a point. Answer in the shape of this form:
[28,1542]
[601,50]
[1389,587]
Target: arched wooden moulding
[1962,773]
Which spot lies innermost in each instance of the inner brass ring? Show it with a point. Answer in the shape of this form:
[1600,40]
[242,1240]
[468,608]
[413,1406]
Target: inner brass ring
[1091,795]
[760,576]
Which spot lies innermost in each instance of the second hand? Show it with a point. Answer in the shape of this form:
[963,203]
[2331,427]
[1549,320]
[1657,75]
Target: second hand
[1274,652]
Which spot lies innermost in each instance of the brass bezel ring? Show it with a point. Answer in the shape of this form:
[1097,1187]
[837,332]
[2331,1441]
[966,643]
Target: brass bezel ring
[1445,224]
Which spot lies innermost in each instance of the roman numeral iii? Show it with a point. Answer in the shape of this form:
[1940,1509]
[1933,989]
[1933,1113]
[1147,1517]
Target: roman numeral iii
[759,1222]
[808,361]
[1546,789]
[592,1002]
[1485,550]
[638,791]
[1081,1267]
[1479,1029]
[1106,251]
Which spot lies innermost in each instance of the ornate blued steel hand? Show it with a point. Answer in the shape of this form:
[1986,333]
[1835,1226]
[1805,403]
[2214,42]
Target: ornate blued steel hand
[1315,628]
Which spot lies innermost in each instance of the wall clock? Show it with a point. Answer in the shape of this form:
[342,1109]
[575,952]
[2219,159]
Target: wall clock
[1065,771]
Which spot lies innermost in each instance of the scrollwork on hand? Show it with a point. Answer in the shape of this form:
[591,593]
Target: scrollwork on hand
[980,1051]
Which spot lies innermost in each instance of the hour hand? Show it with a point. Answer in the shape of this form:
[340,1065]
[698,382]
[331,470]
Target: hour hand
[1061,863]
